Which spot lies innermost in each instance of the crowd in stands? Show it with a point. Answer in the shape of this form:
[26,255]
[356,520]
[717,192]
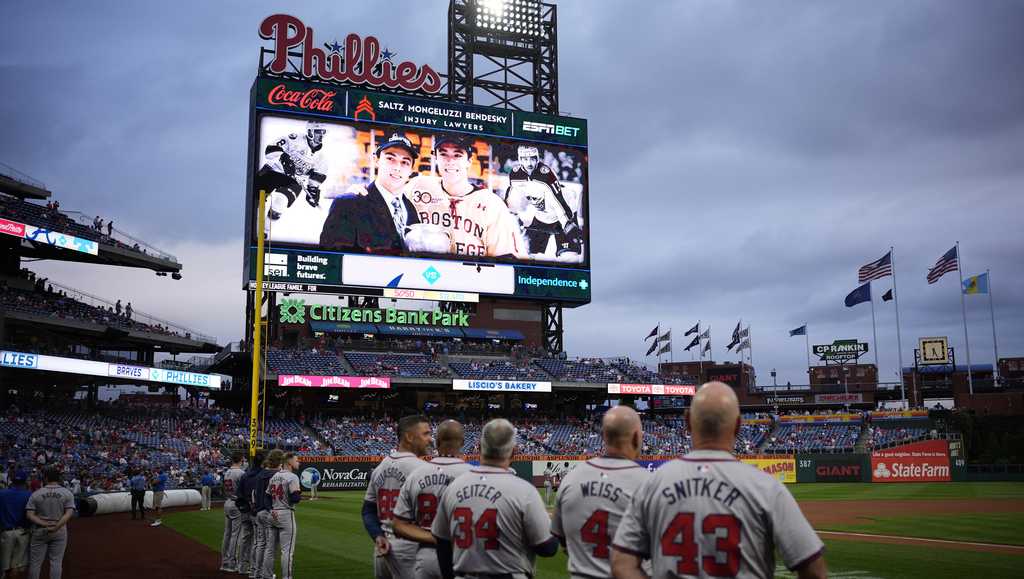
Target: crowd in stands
[829,437]
[50,217]
[496,369]
[388,364]
[881,436]
[43,300]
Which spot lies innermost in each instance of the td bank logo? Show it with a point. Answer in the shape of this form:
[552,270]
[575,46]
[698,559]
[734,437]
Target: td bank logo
[293,311]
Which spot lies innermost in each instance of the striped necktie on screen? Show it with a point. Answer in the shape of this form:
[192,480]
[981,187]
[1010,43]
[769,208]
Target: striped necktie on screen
[398,212]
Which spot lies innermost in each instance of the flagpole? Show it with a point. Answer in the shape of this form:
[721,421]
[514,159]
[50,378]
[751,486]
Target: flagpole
[750,354]
[899,339]
[700,359]
[671,353]
[992,312]
[874,332]
[807,340]
[963,310]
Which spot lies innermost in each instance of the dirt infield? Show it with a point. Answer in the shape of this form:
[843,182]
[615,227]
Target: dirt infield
[826,513]
[115,546]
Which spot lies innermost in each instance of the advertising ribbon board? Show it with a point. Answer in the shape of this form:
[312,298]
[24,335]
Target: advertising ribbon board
[780,467]
[925,461]
[832,468]
[653,389]
[333,381]
[501,385]
[822,418]
[851,398]
[335,476]
[29,361]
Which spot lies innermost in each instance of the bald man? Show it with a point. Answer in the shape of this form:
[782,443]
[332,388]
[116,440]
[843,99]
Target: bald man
[490,522]
[710,515]
[594,496]
[419,497]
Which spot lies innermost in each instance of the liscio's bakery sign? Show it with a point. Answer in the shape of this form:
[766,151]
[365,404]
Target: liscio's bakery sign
[359,61]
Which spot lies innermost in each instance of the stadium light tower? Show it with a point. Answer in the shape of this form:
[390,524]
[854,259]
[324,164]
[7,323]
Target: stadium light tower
[504,53]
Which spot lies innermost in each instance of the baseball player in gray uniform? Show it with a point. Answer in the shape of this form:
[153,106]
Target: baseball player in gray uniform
[49,509]
[594,496]
[232,516]
[490,522]
[709,515]
[418,500]
[285,493]
[395,558]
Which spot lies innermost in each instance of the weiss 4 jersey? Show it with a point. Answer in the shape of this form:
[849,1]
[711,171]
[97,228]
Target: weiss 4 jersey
[591,501]
[232,477]
[492,518]
[710,515]
[280,488]
[479,222]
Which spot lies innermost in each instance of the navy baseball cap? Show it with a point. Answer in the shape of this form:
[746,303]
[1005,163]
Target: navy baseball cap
[397,140]
[460,141]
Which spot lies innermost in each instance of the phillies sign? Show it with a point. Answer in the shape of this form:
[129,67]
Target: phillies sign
[333,381]
[357,60]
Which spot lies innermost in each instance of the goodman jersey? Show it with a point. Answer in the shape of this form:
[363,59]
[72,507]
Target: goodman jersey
[386,484]
[422,490]
[493,518]
[591,501]
[710,515]
[479,222]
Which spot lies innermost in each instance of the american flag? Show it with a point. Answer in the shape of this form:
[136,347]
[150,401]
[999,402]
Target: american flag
[946,264]
[876,269]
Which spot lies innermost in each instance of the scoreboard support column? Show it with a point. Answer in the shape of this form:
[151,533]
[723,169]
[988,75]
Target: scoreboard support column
[552,331]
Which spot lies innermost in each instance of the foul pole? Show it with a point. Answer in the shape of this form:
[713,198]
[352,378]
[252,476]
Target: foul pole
[256,383]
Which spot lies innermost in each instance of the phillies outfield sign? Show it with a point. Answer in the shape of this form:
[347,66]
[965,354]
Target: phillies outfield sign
[840,350]
[653,389]
[356,60]
[333,381]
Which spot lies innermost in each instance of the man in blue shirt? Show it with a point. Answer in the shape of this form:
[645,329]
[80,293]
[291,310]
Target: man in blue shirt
[137,487]
[14,539]
[159,489]
[207,483]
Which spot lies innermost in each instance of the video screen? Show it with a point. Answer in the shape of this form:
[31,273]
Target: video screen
[358,187]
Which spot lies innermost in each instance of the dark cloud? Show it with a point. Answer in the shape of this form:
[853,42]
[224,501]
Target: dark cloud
[746,158]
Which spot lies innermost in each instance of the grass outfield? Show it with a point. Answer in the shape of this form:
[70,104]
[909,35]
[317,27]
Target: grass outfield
[332,542]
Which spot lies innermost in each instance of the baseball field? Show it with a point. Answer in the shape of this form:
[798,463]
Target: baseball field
[871,530]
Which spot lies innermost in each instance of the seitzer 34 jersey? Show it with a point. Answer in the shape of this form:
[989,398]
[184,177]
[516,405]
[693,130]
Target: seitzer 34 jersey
[591,501]
[479,222]
[492,518]
[710,515]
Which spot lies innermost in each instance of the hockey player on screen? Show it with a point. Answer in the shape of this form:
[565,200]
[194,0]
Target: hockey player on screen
[292,165]
[535,194]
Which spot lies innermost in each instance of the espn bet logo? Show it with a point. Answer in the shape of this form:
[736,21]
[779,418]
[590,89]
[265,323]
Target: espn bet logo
[293,311]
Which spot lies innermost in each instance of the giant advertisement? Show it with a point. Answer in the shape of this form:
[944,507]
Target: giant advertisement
[925,461]
[394,191]
[832,468]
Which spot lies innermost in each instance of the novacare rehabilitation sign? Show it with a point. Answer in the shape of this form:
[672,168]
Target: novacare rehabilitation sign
[501,386]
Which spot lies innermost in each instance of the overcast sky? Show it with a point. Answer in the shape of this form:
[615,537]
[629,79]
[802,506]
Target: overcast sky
[746,157]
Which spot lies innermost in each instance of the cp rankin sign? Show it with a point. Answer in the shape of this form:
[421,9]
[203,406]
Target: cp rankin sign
[356,61]
[840,350]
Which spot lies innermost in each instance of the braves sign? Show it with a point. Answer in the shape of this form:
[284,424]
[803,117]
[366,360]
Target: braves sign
[357,60]
[333,381]
[653,389]
[926,461]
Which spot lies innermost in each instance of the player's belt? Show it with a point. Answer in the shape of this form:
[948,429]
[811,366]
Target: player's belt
[492,576]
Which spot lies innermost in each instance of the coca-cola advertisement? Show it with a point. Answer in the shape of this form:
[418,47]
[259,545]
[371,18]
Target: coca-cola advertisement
[335,476]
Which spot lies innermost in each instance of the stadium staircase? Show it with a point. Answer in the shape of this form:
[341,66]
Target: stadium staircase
[861,446]
[768,437]
[315,435]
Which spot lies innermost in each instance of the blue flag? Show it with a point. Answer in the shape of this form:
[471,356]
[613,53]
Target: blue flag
[977,284]
[801,331]
[860,295]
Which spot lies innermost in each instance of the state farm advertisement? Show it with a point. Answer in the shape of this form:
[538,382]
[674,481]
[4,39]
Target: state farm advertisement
[333,381]
[926,461]
[653,389]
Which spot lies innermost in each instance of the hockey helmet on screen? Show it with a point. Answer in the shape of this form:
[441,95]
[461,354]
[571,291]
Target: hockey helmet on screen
[315,132]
